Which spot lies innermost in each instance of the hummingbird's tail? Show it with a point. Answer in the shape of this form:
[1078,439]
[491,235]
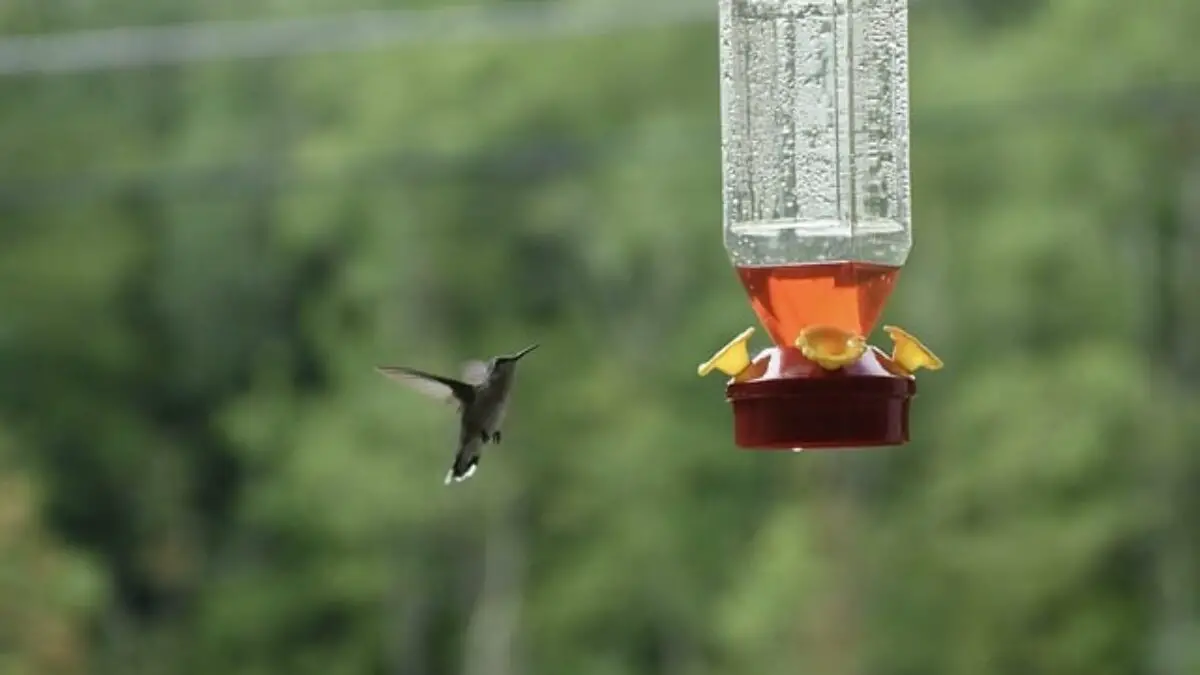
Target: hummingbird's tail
[465,463]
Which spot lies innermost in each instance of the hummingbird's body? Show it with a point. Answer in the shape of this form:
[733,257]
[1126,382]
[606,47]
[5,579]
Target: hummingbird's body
[482,399]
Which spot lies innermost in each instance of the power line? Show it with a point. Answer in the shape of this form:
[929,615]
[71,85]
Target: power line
[141,47]
[538,160]
[525,163]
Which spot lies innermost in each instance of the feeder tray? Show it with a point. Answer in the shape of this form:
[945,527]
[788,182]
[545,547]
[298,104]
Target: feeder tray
[830,390]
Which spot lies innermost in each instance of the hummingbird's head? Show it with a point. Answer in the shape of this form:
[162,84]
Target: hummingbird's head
[509,361]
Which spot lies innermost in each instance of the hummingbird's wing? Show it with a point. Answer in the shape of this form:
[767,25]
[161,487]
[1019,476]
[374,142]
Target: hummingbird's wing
[475,372]
[446,389]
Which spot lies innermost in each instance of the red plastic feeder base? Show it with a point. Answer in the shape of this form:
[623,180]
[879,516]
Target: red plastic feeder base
[784,401]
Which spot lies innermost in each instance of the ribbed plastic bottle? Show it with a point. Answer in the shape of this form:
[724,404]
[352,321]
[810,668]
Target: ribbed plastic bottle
[815,147]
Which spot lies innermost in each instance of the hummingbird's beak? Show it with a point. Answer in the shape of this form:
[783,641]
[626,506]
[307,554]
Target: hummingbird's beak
[523,352]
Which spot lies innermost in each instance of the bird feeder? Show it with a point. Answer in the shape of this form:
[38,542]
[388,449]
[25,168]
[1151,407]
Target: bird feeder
[814,126]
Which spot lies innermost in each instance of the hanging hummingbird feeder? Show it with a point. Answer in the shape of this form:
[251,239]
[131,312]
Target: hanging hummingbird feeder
[815,167]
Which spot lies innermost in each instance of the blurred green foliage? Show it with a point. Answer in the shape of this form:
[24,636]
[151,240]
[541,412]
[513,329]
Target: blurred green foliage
[199,266]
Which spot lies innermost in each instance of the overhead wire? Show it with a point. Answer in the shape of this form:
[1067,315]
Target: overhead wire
[533,161]
[514,165]
[131,47]
[137,47]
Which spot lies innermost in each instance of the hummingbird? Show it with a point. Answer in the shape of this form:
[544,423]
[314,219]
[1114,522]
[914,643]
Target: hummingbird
[482,399]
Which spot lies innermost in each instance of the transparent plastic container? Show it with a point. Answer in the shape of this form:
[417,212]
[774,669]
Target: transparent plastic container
[814,106]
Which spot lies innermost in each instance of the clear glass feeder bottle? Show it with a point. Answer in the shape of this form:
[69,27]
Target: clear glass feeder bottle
[815,148]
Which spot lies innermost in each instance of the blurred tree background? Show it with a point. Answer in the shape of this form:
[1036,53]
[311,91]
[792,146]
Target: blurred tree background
[206,246]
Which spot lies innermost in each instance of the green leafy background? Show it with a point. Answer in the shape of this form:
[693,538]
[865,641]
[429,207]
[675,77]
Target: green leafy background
[201,263]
